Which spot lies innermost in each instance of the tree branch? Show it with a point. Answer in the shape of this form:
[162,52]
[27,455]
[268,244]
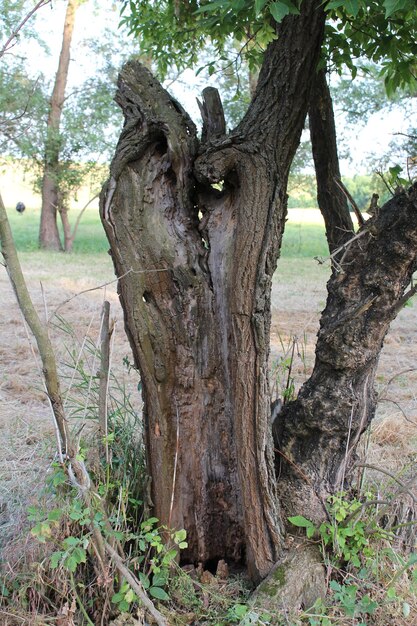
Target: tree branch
[16,31]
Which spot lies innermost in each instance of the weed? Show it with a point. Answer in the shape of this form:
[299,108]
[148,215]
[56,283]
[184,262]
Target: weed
[359,555]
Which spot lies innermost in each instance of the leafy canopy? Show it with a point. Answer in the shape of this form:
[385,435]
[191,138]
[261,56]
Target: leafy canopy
[175,31]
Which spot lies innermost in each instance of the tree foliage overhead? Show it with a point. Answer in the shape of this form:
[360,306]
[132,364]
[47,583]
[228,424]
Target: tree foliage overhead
[383,31]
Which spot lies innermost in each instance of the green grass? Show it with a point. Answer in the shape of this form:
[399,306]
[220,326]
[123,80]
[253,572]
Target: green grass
[301,240]
[90,237]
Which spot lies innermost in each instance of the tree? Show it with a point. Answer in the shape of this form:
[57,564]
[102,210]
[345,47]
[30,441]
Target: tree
[66,158]
[51,197]
[195,229]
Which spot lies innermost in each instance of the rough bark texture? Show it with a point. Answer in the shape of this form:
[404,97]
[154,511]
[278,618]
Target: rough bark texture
[195,232]
[317,434]
[332,202]
[48,232]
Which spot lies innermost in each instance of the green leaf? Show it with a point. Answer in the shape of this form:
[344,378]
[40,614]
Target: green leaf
[71,541]
[55,515]
[158,593]
[352,7]
[160,579]
[80,555]
[391,6]
[180,535]
[301,522]
[149,523]
[406,609]
[71,563]
[55,559]
[259,5]
[334,4]
[240,610]
[130,596]
[279,10]
[310,530]
[117,597]
[169,557]
[144,580]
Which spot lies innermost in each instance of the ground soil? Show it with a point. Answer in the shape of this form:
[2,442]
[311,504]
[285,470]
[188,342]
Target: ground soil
[26,429]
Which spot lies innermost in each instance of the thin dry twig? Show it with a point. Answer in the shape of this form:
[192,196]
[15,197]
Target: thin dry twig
[403,486]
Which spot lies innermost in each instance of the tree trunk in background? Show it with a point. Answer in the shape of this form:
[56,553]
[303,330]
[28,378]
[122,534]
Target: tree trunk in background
[196,293]
[48,231]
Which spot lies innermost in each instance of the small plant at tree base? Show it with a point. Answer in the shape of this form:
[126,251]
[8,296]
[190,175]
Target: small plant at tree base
[352,539]
[352,533]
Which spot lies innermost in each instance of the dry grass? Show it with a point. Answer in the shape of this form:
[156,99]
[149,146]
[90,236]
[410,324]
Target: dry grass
[26,432]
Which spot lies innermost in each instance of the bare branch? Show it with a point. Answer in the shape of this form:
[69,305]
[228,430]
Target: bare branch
[355,207]
[16,31]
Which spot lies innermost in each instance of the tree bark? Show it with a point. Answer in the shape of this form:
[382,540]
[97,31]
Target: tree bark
[48,231]
[316,435]
[332,202]
[195,231]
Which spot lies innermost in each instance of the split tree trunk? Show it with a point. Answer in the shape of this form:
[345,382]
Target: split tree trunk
[196,292]
[48,231]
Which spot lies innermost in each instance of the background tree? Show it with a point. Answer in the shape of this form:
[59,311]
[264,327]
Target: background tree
[87,121]
[196,292]
[52,200]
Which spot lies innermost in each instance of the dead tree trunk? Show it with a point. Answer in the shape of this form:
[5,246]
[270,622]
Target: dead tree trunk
[195,231]
[48,230]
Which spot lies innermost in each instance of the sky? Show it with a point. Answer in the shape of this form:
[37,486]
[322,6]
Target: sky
[370,139]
